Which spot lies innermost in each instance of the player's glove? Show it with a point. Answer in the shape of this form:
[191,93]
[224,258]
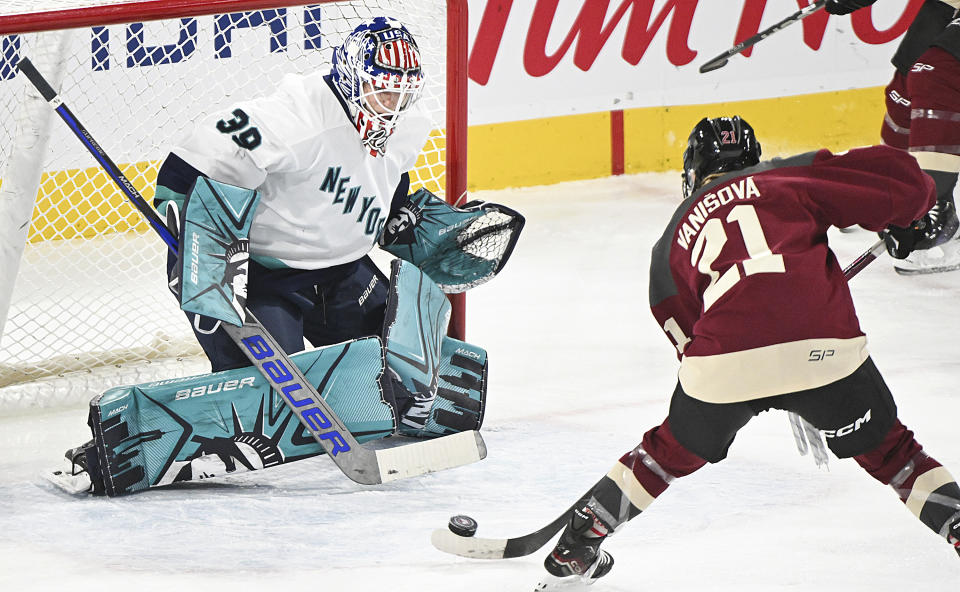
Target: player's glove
[900,242]
[846,6]
[936,227]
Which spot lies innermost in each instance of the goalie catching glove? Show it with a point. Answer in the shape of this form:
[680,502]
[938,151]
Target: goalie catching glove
[459,248]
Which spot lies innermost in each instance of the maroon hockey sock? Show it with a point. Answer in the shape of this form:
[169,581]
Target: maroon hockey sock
[922,484]
[890,456]
[896,122]
[659,459]
[934,89]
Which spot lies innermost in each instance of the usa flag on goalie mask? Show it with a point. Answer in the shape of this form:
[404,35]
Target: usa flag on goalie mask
[399,54]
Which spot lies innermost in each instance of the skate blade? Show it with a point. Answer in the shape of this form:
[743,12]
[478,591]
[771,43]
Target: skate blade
[550,583]
[72,484]
[926,270]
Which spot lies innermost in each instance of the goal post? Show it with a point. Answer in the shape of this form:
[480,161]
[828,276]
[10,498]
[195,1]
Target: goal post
[83,303]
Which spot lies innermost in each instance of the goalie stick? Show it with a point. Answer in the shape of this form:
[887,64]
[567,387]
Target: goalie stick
[480,548]
[362,465]
[721,60]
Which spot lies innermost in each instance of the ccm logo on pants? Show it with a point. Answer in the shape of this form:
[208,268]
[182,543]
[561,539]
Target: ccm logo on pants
[847,429]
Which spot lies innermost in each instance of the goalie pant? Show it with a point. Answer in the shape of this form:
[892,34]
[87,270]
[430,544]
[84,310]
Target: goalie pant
[695,433]
[228,422]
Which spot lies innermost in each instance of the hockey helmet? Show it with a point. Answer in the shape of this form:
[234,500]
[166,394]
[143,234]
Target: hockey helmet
[715,146]
[378,74]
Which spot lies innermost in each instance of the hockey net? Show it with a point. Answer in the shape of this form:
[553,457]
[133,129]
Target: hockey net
[84,305]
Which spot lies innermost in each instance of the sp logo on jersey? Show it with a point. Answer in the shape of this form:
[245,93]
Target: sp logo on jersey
[819,355]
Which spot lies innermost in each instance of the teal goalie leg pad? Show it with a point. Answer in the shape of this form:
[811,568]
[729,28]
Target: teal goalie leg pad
[228,422]
[440,383]
[415,321]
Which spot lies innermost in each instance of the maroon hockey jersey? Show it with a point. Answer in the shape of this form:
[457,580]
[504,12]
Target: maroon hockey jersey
[745,286]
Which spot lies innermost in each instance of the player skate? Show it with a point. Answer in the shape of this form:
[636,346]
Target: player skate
[577,560]
[945,257]
[953,535]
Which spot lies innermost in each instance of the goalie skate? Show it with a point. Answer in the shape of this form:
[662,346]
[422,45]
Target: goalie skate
[72,477]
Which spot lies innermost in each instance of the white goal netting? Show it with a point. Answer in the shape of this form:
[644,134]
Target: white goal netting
[84,304]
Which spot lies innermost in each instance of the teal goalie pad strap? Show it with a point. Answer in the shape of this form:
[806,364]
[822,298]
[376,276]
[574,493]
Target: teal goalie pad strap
[459,248]
[215,250]
[228,422]
[461,391]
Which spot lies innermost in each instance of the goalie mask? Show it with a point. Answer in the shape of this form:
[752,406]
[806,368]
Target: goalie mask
[377,71]
[717,146]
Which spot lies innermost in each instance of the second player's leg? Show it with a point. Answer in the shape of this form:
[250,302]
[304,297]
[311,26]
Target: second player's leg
[934,88]
[694,433]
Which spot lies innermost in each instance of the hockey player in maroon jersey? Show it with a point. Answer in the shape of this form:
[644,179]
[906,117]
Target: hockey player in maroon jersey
[923,116]
[755,303]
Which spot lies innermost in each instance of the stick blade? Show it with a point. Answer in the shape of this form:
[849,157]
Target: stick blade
[471,547]
[430,456]
[714,64]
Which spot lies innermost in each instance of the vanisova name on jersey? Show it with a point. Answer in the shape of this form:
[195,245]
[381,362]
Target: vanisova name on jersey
[742,189]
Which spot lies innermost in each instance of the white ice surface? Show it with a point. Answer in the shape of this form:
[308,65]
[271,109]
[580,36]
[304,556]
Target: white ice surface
[578,372]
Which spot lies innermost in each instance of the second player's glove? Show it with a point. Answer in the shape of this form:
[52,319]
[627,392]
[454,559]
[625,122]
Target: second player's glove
[846,6]
[936,227]
[900,242]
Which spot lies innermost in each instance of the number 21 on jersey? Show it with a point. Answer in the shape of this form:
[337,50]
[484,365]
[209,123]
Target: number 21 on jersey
[710,242]
[707,248]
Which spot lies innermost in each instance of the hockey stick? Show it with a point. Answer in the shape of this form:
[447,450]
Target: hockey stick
[363,465]
[865,259]
[480,548]
[721,60]
[806,436]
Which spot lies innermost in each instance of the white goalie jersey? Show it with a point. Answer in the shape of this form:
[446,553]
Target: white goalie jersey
[324,197]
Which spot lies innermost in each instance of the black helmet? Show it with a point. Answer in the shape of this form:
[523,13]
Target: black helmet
[718,145]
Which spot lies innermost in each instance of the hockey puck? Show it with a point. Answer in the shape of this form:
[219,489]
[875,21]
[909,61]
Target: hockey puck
[461,525]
